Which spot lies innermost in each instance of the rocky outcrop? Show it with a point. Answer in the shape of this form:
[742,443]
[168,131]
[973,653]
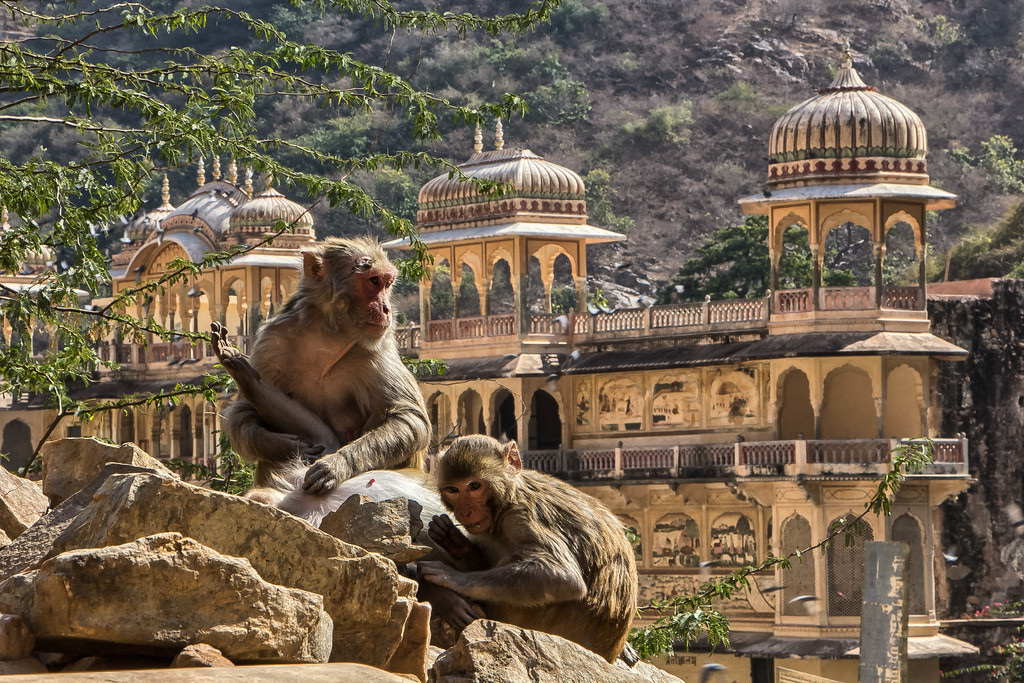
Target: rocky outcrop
[389,528]
[105,598]
[70,464]
[983,397]
[21,503]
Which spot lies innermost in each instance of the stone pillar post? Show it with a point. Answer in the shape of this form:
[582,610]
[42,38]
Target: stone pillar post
[816,257]
[879,249]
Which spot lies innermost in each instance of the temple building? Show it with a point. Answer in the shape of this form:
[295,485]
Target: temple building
[721,432]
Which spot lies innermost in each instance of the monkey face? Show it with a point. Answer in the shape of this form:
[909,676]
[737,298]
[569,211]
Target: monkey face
[373,300]
[470,501]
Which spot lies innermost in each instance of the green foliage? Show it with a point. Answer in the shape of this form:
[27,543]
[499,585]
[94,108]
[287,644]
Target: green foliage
[998,158]
[232,474]
[562,299]
[998,252]
[135,90]
[664,125]
[600,198]
[563,100]
[943,30]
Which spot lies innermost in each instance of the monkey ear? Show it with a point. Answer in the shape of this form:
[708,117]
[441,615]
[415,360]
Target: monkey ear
[313,265]
[513,461]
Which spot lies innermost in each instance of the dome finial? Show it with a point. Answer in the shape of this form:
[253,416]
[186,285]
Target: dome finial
[478,139]
[201,173]
[499,136]
[165,193]
[232,172]
[216,167]
[248,182]
[846,61]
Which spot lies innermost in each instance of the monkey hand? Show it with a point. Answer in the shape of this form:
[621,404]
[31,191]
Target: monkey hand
[443,532]
[453,608]
[325,474]
[281,447]
[440,574]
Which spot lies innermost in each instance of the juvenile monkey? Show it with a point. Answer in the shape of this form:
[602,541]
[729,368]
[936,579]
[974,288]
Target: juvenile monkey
[325,376]
[541,555]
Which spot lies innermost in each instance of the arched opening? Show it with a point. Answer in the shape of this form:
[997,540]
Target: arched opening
[849,257]
[795,271]
[471,413]
[848,409]
[185,433]
[676,542]
[17,445]
[442,296]
[796,416]
[900,266]
[545,424]
[907,530]
[469,294]
[845,562]
[901,417]
[127,427]
[439,409]
[563,288]
[732,541]
[505,412]
[502,296]
[798,580]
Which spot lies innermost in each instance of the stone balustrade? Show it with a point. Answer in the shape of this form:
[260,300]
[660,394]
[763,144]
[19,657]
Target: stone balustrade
[743,458]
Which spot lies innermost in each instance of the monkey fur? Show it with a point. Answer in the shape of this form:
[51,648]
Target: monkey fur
[541,554]
[325,376]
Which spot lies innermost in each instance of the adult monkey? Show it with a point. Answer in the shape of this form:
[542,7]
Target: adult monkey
[541,554]
[325,376]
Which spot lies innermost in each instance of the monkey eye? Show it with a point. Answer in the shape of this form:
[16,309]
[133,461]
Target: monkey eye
[451,489]
[474,486]
[375,280]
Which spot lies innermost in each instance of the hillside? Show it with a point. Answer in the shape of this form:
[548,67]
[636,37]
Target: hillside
[673,101]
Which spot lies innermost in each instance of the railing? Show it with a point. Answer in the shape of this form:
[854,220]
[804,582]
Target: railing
[903,298]
[501,325]
[751,459]
[793,301]
[468,328]
[847,298]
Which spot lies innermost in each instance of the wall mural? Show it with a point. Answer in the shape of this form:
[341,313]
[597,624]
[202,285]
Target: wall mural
[583,395]
[676,542]
[633,527]
[676,401]
[732,541]
[734,398]
[620,406]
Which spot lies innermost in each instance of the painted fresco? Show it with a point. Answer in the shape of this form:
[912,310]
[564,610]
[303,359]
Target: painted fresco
[583,407]
[734,399]
[676,542]
[635,539]
[732,541]
[620,406]
[676,401]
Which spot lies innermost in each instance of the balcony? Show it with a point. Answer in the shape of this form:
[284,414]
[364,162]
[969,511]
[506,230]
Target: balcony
[860,457]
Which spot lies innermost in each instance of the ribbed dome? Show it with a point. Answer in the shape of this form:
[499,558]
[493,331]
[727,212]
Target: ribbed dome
[140,228]
[847,133]
[558,190]
[259,213]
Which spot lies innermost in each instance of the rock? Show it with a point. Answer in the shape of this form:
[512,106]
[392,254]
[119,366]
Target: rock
[200,655]
[24,667]
[363,593]
[16,641]
[69,464]
[266,673]
[5,540]
[136,594]
[21,503]
[33,545]
[123,663]
[384,527]
[493,652]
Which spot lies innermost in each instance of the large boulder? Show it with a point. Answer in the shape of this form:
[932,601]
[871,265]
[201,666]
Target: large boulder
[32,546]
[21,503]
[69,464]
[370,604]
[387,527]
[493,652]
[162,593]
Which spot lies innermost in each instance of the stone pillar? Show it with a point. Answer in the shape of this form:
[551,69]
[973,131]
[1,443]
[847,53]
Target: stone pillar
[582,295]
[879,249]
[922,276]
[484,292]
[775,257]
[816,257]
[520,304]
[884,618]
